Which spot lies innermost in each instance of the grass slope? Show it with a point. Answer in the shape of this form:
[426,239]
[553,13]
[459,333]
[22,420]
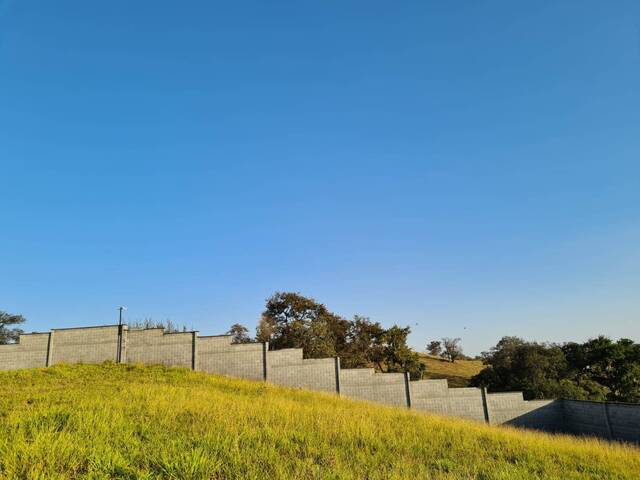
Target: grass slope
[112,421]
[458,373]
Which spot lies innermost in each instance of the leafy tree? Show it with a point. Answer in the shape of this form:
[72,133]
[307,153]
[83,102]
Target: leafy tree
[240,333]
[398,356]
[452,348]
[614,365]
[364,346]
[514,364]
[9,335]
[434,348]
[264,330]
[291,320]
[298,321]
[599,369]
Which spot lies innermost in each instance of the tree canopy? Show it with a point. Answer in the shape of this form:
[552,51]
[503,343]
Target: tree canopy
[599,369]
[240,333]
[7,334]
[291,320]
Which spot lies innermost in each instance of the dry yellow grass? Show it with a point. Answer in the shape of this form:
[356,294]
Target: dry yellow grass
[458,373]
[129,422]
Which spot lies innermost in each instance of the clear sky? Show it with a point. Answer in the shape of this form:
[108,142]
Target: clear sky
[466,168]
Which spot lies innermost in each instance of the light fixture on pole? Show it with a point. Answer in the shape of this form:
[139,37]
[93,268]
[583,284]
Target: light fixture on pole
[121,309]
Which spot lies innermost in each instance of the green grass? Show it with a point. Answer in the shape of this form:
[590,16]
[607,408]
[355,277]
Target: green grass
[458,373]
[112,421]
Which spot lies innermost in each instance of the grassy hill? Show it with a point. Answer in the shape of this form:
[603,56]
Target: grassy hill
[458,373]
[130,422]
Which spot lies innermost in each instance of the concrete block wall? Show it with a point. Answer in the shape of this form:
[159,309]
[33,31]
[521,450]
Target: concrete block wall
[436,396]
[155,347]
[624,421]
[366,384]
[218,355]
[511,408]
[615,421]
[288,367]
[431,395]
[467,403]
[84,345]
[31,352]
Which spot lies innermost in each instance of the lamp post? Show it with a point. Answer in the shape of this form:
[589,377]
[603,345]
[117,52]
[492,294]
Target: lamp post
[119,352]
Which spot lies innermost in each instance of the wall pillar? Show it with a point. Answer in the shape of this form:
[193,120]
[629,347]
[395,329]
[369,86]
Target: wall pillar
[337,369]
[485,405]
[407,388]
[119,347]
[194,350]
[49,360]
[265,350]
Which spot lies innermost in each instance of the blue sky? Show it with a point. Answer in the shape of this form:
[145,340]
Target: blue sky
[466,168]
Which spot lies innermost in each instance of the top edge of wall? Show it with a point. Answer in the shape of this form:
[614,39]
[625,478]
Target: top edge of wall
[92,326]
[587,401]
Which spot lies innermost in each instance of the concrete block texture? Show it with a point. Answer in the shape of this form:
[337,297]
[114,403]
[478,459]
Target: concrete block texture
[30,352]
[155,347]
[84,345]
[615,421]
[431,396]
[286,356]
[466,403]
[218,355]
[511,408]
[314,374]
[365,384]
[624,420]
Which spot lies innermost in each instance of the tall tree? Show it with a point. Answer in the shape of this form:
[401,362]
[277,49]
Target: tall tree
[298,321]
[452,348]
[7,334]
[264,330]
[240,333]
[364,344]
[291,320]
[434,348]
[399,357]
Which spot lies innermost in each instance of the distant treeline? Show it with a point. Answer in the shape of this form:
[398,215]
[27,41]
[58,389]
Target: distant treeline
[599,369]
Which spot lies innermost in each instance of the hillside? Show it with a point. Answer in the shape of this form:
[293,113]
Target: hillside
[113,421]
[458,373]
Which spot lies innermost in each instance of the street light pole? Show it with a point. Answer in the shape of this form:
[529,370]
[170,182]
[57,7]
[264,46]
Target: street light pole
[119,352]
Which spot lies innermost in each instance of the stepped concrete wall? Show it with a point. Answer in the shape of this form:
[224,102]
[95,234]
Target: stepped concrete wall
[288,367]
